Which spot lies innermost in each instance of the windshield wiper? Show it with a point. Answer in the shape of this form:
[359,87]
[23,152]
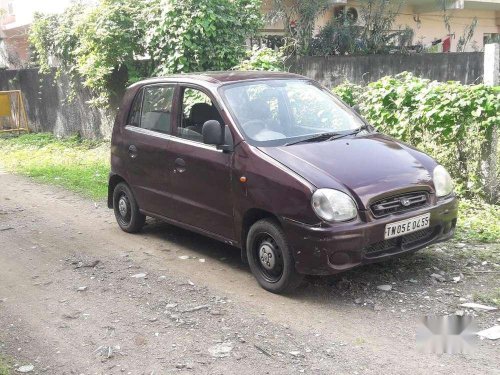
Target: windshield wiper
[329,136]
[354,132]
[315,138]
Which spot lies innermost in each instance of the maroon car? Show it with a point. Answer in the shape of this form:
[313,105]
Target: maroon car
[276,165]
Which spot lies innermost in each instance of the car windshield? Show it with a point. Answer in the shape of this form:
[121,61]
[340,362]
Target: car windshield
[280,112]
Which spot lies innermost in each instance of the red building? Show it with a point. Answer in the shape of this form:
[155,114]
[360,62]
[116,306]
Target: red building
[16,17]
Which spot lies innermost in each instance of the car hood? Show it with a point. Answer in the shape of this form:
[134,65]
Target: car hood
[368,167]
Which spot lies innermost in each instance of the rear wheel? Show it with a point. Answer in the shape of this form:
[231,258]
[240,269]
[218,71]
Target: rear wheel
[270,258]
[126,209]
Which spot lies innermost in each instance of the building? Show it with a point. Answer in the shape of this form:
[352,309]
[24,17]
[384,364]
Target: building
[16,17]
[425,18]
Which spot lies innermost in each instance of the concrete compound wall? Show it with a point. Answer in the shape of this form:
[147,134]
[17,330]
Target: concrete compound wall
[48,108]
[334,70]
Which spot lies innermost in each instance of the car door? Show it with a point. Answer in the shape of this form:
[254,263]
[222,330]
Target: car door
[148,140]
[201,174]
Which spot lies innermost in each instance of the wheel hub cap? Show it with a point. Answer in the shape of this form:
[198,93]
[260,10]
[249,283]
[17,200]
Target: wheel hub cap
[267,256]
[122,206]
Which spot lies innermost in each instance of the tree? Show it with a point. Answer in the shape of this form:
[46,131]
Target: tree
[100,44]
[299,18]
[200,35]
[110,38]
[468,31]
[91,43]
[372,33]
[41,39]
[378,18]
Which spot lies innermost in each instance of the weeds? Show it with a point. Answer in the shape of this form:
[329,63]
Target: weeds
[4,367]
[490,298]
[78,165]
[478,221]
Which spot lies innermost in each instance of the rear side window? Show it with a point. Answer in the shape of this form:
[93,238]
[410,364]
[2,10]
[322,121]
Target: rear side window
[156,108]
[152,108]
[134,117]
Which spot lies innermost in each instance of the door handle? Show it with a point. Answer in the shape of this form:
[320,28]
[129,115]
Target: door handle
[132,151]
[180,165]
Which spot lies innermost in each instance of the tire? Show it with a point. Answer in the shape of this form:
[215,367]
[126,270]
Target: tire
[126,209]
[270,258]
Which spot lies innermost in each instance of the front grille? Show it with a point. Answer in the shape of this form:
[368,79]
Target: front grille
[382,246]
[400,243]
[415,237]
[400,203]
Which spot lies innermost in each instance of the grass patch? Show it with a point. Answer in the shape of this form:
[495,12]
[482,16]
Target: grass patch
[489,298]
[478,221]
[76,164]
[4,367]
[83,166]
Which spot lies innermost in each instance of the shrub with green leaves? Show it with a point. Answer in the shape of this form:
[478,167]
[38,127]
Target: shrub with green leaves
[109,37]
[349,92]
[92,42]
[201,35]
[99,41]
[263,58]
[452,122]
[42,39]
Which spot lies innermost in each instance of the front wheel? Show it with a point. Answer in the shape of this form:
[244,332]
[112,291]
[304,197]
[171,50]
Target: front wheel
[127,212]
[270,258]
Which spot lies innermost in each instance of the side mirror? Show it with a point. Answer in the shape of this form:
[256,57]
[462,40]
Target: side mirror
[356,109]
[214,134]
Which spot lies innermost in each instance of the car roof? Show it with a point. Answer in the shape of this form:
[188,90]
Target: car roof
[219,78]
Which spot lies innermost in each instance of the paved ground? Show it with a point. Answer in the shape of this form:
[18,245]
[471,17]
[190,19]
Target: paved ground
[70,304]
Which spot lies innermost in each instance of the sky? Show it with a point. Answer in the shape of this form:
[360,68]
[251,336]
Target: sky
[24,9]
[46,6]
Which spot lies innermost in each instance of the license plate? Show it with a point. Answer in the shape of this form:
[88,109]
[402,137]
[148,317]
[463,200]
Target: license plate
[400,228]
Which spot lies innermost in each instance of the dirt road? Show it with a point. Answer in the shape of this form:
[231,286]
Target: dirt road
[78,296]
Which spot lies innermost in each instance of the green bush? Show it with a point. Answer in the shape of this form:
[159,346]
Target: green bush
[263,58]
[450,121]
[478,221]
[99,42]
[92,42]
[201,35]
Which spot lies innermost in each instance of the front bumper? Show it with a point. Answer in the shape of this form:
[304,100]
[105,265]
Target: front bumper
[331,248]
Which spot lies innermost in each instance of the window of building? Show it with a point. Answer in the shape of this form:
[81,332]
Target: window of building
[491,38]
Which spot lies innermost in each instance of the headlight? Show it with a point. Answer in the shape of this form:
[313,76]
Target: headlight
[442,181]
[333,205]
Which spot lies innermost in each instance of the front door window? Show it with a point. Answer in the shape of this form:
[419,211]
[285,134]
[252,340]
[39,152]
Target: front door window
[197,108]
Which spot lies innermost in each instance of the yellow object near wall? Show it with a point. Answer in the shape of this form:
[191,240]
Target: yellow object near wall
[13,117]
[5,109]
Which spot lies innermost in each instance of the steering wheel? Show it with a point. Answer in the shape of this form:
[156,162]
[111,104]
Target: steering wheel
[253,127]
